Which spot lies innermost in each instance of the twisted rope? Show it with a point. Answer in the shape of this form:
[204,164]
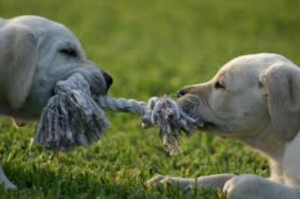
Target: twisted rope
[163,113]
[73,117]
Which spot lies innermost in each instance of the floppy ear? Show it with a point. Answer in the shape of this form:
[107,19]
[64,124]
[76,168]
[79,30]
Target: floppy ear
[282,84]
[18,52]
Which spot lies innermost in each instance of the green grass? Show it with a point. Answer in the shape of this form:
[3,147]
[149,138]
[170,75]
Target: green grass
[150,48]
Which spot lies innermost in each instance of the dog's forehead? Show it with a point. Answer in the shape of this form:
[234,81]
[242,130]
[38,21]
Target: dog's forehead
[251,65]
[43,26]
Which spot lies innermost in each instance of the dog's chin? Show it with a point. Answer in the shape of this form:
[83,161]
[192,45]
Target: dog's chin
[223,131]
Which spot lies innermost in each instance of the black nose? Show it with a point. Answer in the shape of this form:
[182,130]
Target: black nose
[108,79]
[182,93]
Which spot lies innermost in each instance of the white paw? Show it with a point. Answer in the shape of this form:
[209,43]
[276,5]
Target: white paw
[10,186]
[158,180]
[168,183]
[5,181]
[231,184]
[240,187]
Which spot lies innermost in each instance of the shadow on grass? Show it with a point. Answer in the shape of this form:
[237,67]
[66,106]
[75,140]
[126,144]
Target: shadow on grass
[60,182]
[48,181]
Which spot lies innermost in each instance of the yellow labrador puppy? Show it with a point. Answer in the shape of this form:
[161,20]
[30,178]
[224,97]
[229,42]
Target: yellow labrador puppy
[35,53]
[254,99]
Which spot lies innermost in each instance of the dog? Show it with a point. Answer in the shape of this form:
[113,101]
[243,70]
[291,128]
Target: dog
[35,53]
[254,99]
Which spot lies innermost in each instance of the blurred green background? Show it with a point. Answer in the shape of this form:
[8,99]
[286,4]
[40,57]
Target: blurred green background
[150,48]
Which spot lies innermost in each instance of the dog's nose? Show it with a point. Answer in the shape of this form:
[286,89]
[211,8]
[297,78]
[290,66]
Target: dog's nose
[108,79]
[182,93]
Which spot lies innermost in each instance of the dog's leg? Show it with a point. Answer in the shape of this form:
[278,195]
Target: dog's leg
[249,187]
[4,180]
[188,184]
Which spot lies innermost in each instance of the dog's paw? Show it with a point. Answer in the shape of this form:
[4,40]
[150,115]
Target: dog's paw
[239,186]
[158,180]
[8,185]
[231,185]
[4,181]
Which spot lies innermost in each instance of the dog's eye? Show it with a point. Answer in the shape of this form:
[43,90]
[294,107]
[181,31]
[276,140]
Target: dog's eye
[219,85]
[69,52]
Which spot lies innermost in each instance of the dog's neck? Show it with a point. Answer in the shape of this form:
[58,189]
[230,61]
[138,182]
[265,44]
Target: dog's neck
[272,149]
[280,153]
[266,143]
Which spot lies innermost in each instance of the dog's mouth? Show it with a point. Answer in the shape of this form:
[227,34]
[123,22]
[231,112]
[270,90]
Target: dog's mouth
[207,121]
[99,81]
[209,126]
[190,104]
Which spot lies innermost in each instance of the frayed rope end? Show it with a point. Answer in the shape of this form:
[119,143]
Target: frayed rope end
[71,118]
[172,122]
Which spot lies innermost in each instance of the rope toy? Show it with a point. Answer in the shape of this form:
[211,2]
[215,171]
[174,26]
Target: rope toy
[75,116]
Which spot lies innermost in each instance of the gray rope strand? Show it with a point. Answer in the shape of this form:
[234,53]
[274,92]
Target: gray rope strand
[161,112]
[148,112]
[74,118]
[123,105]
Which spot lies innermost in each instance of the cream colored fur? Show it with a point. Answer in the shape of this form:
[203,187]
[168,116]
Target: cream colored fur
[254,99]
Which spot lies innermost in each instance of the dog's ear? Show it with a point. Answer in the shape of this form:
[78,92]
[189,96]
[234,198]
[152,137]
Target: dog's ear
[282,83]
[18,53]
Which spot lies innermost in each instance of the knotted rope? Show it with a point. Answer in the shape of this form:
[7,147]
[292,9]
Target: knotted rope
[75,117]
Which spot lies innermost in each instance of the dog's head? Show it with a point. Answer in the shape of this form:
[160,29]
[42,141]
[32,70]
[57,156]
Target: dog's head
[249,95]
[35,53]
